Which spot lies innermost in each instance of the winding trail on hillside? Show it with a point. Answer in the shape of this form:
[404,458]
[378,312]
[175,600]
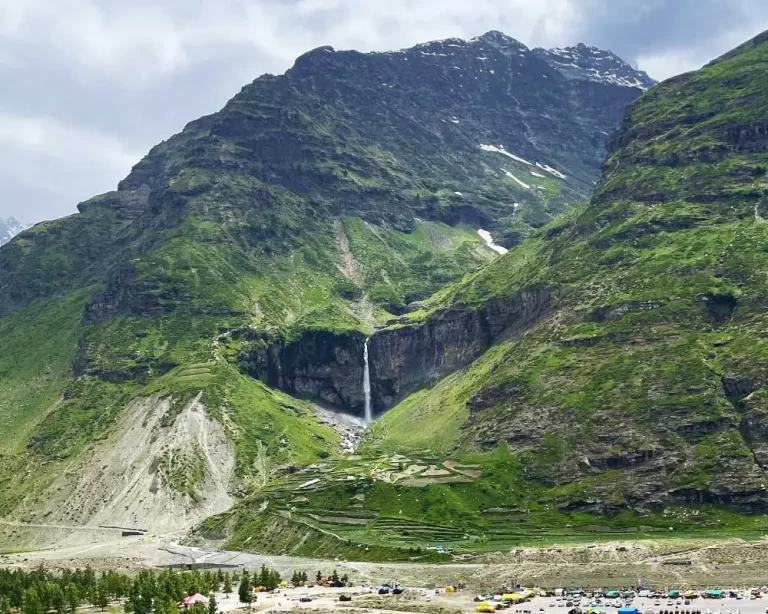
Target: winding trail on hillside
[63,527]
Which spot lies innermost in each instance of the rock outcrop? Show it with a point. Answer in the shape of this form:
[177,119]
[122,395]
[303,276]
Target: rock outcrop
[407,358]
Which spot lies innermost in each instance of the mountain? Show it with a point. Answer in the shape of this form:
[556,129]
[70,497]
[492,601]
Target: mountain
[605,377]
[593,64]
[8,229]
[166,346]
[618,354]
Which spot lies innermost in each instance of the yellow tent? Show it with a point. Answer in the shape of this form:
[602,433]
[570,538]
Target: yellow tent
[486,607]
[513,597]
[450,589]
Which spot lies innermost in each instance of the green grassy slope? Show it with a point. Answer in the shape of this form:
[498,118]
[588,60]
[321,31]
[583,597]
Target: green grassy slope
[314,202]
[643,389]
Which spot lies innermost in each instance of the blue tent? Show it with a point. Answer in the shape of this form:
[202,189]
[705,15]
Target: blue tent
[629,611]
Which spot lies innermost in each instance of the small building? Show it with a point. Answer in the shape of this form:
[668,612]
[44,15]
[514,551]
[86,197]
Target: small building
[193,599]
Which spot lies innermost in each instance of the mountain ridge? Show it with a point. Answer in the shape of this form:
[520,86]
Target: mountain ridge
[237,270]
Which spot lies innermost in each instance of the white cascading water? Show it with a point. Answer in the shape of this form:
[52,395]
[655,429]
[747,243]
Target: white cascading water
[367,385]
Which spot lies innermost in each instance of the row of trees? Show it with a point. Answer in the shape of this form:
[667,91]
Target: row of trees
[299,578]
[41,591]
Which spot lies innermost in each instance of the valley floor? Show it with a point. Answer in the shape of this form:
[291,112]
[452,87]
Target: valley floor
[670,562]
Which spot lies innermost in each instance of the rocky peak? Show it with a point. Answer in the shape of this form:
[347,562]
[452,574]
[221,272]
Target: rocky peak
[9,228]
[499,39]
[594,64]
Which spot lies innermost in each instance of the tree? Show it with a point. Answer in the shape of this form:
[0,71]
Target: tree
[227,584]
[73,598]
[263,578]
[32,603]
[335,577]
[102,594]
[56,598]
[319,577]
[244,591]
[345,579]
[274,579]
[212,605]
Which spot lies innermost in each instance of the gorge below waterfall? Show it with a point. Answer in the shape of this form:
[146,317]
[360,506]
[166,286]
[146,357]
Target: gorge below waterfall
[392,363]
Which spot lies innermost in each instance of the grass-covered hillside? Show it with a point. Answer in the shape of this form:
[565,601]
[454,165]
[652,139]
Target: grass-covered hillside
[606,378]
[247,258]
[641,385]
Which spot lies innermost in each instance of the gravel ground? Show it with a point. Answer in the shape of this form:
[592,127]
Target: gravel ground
[661,563]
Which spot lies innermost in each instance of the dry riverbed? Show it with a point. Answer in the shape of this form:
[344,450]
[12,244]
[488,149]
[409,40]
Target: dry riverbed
[701,563]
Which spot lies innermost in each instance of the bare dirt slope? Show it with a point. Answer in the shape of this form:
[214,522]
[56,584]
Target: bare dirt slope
[162,479]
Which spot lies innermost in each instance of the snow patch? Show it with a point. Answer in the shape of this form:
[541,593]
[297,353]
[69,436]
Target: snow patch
[511,176]
[535,174]
[550,170]
[486,236]
[458,194]
[503,151]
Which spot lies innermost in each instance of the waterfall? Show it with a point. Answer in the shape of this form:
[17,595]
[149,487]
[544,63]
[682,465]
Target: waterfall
[367,385]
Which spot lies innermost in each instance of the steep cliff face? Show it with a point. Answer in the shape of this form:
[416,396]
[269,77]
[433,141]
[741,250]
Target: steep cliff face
[408,358]
[322,365]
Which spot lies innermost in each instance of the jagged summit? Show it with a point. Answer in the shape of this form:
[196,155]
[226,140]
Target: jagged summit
[9,228]
[594,64]
[580,62]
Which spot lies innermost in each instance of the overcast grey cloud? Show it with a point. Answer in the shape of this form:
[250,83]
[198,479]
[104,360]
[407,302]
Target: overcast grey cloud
[91,85]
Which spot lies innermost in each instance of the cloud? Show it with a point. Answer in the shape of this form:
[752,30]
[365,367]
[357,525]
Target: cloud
[46,136]
[136,42]
[98,82]
[44,154]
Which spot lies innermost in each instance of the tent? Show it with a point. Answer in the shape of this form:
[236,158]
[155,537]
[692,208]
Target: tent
[629,611]
[674,593]
[612,593]
[514,597]
[486,607]
[196,598]
[712,592]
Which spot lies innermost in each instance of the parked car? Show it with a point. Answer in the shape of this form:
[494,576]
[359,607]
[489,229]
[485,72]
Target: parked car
[305,599]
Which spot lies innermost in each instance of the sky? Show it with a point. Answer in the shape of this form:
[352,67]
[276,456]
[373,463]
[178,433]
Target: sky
[88,86]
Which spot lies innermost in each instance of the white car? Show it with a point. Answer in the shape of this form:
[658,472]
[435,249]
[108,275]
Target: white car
[551,604]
